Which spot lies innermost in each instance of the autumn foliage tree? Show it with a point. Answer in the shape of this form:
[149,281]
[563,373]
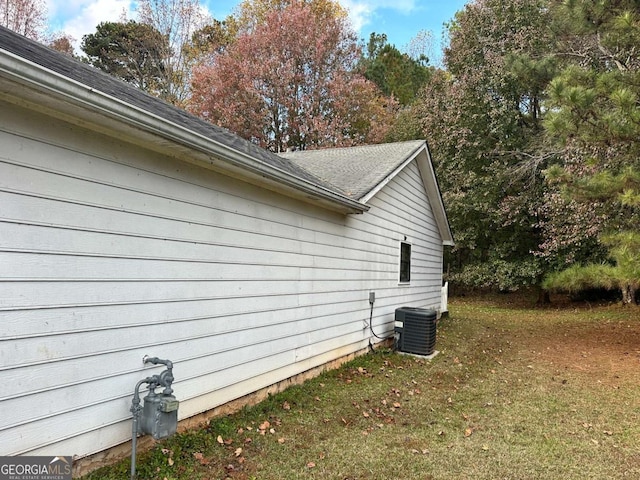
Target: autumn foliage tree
[290,82]
[26,17]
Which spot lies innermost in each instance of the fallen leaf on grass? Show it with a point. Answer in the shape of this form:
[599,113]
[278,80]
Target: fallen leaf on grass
[170,461]
[286,406]
[238,452]
[468,432]
[220,440]
[200,457]
[311,465]
[281,441]
[264,425]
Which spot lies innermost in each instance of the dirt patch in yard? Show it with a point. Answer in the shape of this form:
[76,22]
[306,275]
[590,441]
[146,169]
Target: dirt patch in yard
[608,352]
[601,341]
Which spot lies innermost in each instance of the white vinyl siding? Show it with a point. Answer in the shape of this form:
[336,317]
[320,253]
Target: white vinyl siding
[109,252]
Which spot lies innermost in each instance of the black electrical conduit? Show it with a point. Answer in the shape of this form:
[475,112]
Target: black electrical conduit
[371,302]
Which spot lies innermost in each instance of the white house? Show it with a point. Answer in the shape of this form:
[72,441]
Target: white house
[129,228]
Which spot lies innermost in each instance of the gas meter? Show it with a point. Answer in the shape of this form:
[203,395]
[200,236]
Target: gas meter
[158,416]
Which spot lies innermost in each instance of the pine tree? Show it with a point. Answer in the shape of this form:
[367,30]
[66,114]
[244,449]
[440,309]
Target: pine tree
[594,114]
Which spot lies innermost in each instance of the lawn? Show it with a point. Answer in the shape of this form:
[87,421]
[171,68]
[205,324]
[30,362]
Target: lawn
[516,392]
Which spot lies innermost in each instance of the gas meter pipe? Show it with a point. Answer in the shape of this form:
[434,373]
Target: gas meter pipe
[135,410]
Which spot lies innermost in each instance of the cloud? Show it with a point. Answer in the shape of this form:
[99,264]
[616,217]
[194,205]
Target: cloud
[363,12]
[80,17]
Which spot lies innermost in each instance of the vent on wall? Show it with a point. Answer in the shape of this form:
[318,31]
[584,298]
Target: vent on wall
[417,330]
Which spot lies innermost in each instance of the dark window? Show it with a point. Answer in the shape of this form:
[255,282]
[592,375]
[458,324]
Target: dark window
[405,262]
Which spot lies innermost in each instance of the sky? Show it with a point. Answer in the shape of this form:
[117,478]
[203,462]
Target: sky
[400,20]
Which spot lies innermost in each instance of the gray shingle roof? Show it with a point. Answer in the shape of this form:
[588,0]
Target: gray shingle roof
[355,171]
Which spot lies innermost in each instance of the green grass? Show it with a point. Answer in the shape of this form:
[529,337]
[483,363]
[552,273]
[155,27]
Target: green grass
[515,393]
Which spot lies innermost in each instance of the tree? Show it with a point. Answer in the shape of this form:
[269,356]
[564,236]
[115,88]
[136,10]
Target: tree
[62,43]
[482,116]
[252,13]
[132,51]
[211,39]
[621,273]
[595,117]
[289,82]
[176,21]
[395,73]
[26,17]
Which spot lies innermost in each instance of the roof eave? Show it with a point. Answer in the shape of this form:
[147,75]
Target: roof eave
[427,172]
[73,101]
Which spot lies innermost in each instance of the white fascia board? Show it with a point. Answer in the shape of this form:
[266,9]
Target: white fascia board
[435,198]
[56,86]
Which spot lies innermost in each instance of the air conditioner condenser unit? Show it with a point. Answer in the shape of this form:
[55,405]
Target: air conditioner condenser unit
[415,330]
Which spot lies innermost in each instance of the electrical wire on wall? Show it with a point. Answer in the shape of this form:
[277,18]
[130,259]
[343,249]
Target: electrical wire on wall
[371,326]
[372,298]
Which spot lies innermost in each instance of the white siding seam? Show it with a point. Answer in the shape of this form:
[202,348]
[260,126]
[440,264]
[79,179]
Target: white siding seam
[212,317]
[183,320]
[198,337]
[314,290]
[208,261]
[166,197]
[187,240]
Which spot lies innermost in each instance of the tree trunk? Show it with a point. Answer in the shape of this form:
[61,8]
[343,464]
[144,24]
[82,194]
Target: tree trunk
[628,294]
[543,297]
